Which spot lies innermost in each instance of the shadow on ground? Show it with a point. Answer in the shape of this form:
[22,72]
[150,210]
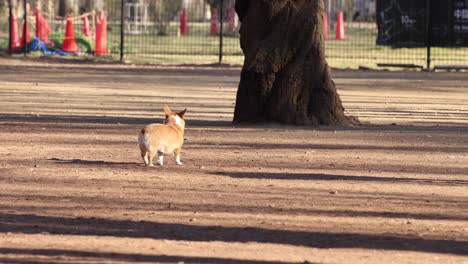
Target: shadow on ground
[102,256]
[331,177]
[35,224]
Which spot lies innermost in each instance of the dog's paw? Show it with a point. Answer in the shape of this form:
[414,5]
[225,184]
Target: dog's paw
[178,162]
[161,161]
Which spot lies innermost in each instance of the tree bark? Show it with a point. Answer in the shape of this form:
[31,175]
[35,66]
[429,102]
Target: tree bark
[285,77]
[63,8]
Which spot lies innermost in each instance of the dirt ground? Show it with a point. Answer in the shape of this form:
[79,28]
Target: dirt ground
[73,188]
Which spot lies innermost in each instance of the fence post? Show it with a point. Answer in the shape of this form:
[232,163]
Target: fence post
[10,27]
[221,33]
[428,34]
[25,26]
[121,30]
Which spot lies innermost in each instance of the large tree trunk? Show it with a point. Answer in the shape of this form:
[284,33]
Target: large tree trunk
[285,77]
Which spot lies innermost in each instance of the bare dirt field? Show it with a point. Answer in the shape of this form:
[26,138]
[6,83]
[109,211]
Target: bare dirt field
[73,188]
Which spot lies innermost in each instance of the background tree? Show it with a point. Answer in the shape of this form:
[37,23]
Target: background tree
[163,12]
[86,6]
[64,8]
[285,77]
[3,9]
[227,4]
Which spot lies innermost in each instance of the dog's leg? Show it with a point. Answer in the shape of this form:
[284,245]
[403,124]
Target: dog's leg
[144,156]
[151,157]
[177,159]
[160,158]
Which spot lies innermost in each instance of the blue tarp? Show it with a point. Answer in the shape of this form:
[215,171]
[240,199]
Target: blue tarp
[37,44]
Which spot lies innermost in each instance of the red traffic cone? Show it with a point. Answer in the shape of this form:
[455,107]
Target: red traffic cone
[214,22]
[183,22]
[26,33]
[340,31]
[69,42]
[14,44]
[86,29]
[231,20]
[325,26]
[101,35]
[42,28]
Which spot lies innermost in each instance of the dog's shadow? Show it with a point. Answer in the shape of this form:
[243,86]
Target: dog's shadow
[92,162]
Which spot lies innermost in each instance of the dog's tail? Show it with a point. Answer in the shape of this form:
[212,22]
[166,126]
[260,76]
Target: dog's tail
[144,140]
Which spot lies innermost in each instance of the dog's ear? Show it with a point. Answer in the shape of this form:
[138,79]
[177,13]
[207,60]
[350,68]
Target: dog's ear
[182,113]
[167,110]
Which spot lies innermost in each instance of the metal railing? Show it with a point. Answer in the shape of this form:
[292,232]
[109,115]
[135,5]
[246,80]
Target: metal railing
[384,33]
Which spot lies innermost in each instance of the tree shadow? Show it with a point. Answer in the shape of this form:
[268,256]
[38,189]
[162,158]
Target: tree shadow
[389,75]
[92,162]
[34,224]
[199,121]
[100,68]
[106,256]
[102,203]
[336,146]
[15,118]
[331,177]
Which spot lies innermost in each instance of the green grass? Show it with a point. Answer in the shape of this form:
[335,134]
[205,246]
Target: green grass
[199,47]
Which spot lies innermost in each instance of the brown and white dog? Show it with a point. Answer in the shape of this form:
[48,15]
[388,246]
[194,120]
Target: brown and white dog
[163,139]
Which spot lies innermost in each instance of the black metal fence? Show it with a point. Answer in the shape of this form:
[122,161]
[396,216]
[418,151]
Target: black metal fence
[360,33]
